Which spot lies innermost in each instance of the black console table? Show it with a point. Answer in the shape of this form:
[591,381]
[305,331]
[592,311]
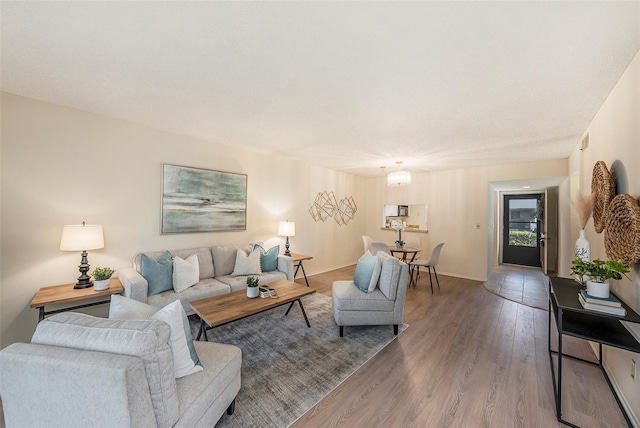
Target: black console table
[573,320]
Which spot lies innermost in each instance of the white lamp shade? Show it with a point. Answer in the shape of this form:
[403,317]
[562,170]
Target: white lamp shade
[80,237]
[287,228]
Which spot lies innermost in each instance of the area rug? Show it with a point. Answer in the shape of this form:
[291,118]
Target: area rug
[286,366]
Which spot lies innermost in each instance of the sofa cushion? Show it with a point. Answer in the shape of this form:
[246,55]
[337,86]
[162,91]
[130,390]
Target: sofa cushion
[389,276]
[365,268]
[185,358]
[240,282]
[216,386]
[268,258]
[224,257]
[148,340]
[186,272]
[204,288]
[247,264]
[348,297]
[205,261]
[158,273]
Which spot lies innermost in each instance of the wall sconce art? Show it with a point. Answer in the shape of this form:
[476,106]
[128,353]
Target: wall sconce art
[326,206]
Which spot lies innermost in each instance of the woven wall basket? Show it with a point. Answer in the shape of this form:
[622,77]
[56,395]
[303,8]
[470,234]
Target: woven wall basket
[602,188]
[622,233]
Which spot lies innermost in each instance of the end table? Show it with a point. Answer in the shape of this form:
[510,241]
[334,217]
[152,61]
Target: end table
[59,294]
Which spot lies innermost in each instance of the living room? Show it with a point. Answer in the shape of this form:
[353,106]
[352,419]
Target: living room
[64,165]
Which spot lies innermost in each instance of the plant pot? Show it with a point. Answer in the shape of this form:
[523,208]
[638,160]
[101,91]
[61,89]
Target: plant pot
[252,292]
[598,289]
[102,284]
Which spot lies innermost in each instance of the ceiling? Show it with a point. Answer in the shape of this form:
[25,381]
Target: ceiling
[349,86]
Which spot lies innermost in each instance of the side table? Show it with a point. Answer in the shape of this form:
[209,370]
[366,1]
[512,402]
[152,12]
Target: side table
[60,294]
[297,263]
[573,320]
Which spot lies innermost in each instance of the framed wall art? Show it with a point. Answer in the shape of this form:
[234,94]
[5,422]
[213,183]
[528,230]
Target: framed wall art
[202,200]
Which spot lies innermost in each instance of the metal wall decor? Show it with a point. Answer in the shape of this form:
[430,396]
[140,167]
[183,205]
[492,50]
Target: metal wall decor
[202,200]
[326,206]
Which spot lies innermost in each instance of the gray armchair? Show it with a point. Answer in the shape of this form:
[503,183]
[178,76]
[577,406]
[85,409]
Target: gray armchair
[82,371]
[385,305]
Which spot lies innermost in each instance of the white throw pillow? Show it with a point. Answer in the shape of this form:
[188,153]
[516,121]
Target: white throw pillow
[186,272]
[185,359]
[247,265]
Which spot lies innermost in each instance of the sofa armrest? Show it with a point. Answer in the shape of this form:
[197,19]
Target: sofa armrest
[134,284]
[285,264]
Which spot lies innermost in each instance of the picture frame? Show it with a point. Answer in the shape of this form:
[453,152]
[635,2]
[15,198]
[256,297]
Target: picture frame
[196,200]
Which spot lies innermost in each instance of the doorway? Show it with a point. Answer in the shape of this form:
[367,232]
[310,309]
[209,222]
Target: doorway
[521,229]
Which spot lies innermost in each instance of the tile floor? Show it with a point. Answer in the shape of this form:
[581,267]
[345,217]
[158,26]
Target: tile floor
[521,284]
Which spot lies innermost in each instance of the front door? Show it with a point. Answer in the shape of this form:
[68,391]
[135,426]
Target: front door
[521,231]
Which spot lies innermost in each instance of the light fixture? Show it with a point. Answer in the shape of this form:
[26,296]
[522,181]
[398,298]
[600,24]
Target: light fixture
[399,178]
[82,237]
[287,228]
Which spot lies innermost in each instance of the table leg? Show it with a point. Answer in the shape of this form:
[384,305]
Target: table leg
[40,313]
[559,401]
[202,331]
[298,266]
[304,313]
[290,306]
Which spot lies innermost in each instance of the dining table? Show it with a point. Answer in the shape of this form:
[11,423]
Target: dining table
[404,253]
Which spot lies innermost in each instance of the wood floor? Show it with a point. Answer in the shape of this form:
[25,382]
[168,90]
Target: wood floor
[469,359]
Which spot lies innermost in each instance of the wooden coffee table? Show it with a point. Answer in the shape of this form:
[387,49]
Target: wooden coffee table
[218,310]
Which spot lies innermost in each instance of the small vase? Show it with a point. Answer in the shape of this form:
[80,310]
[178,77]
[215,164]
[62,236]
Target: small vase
[598,289]
[583,248]
[101,285]
[252,292]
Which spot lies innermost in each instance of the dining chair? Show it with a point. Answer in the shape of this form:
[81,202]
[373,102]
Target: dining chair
[379,246]
[367,240]
[431,263]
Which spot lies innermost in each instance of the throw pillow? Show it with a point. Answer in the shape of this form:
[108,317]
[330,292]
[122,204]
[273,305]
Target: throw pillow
[185,358]
[364,271]
[247,265]
[375,276]
[185,272]
[268,259]
[158,273]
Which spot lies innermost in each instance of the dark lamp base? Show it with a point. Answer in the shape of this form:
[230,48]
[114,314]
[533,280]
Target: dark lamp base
[83,284]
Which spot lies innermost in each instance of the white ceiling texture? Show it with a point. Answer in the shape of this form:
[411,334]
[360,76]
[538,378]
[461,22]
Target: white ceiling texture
[349,86]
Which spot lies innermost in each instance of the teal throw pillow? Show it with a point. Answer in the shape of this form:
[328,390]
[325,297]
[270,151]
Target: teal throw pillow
[268,259]
[158,273]
[364,271]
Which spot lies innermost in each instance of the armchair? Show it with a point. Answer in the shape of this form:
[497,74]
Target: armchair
[384,305]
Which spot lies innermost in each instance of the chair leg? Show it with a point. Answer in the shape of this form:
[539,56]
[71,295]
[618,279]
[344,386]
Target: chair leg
[395,329]
[232,407]
[436,273]
[341,331]
[430,280]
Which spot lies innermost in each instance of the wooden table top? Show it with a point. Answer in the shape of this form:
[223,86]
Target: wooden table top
[218,310]
[300,257]
[66,293]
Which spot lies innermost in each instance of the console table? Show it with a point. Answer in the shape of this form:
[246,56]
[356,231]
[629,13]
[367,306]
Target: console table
[63,294]
[573,320]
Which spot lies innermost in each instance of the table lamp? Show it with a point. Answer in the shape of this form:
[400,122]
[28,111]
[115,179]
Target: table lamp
[287,228]
[82,237]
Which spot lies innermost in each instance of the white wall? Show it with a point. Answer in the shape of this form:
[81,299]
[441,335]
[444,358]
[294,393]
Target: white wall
[614,136]
[457,200]
[63,166]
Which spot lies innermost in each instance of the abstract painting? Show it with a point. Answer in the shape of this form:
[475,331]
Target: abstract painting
[202,200]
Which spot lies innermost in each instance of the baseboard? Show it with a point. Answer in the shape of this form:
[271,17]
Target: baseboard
[627,407]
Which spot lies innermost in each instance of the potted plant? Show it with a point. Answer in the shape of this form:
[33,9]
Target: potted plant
[252,287]
[597,273]
[101,278]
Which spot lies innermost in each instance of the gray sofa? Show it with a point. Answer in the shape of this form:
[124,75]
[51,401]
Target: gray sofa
[83,371]
[216,265]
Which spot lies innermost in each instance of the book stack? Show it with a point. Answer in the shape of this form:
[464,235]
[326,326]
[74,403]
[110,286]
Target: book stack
[610,305]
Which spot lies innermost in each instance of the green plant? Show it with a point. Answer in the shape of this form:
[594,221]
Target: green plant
[100,274]
[598,270]
[252,281]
